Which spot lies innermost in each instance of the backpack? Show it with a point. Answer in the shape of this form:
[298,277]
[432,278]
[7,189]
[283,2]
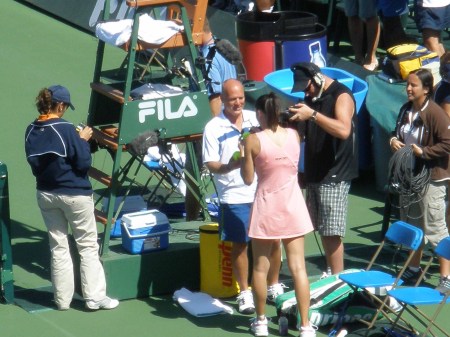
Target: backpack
[400,60]
[330,303]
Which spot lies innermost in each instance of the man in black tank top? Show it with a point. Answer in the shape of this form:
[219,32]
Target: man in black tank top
[331,154]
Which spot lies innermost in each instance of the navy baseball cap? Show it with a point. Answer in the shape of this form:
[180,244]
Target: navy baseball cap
[61,94]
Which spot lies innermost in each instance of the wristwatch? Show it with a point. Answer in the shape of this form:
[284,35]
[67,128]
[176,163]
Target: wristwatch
[313,116]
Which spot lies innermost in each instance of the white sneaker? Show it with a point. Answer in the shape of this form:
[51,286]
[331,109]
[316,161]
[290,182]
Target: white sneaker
[326,274]
[63,307]
[106,304]
[394,304]
[259,328]
[275,290]
[245,302]
[308,331]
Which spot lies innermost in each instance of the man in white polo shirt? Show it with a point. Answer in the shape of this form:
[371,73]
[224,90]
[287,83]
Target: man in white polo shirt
[220,142]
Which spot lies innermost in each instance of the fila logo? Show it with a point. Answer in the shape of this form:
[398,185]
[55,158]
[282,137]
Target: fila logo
[163,109]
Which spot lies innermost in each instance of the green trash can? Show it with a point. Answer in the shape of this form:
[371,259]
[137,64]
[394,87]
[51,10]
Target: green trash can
[252,90]
[6,274]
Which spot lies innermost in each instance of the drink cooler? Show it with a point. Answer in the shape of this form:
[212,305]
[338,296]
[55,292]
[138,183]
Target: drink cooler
[132,203]
[145,231]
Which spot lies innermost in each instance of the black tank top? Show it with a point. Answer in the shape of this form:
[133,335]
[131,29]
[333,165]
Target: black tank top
[327,158]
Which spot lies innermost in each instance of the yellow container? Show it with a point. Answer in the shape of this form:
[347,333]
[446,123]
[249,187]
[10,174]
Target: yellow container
[216,270]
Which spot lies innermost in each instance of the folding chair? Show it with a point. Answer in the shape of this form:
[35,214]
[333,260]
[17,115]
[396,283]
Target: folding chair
[402,235]
[413,297]
[168,172]
[171,174]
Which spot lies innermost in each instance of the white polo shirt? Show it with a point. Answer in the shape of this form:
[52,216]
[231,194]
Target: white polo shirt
[220,141]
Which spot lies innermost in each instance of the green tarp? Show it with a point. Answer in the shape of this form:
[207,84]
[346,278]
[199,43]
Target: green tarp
[383,103]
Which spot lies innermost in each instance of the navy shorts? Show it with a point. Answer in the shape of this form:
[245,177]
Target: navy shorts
[234,221]
[390,8]
[435,18]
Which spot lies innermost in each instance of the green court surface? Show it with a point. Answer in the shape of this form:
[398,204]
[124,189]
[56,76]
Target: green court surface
[37,50]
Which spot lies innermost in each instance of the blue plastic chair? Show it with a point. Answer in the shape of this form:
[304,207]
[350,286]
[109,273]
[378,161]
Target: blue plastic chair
[413,297]
[402,235]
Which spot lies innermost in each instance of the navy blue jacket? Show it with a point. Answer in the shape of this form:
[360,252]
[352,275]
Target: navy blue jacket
[58,157]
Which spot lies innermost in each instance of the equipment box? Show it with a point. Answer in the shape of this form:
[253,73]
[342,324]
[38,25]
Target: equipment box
[145,231]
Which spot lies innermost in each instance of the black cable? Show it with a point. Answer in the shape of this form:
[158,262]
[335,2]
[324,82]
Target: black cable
[409,177]
[319,246]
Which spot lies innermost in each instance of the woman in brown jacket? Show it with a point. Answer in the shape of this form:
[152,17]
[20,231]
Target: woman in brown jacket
[425,129]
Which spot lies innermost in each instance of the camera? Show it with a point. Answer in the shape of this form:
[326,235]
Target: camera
[80,127]
[283,117]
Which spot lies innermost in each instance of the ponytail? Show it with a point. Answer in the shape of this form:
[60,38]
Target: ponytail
[269,104]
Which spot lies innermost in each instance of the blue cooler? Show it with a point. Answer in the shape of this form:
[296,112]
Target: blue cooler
[131,204]
[145,231]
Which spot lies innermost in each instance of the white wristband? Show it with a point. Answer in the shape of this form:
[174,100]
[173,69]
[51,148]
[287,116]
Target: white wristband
[391,140]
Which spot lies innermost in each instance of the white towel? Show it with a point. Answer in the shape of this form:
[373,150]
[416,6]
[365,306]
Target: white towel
[154,155]
[155,90]
[156,31]
[200,304]
[150,30]
[114,32]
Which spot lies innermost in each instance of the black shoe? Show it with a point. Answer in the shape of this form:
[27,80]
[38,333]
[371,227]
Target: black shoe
[444,285]
[410,277]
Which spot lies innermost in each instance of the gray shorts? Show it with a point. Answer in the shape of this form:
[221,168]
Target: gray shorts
[327,205]
[365,9]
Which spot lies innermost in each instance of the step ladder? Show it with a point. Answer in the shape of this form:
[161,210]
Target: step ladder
[117,119]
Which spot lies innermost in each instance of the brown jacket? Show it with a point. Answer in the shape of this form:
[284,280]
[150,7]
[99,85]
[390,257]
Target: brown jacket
[434,137]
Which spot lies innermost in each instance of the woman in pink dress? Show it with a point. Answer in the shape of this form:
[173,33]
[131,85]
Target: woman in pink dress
[279,211]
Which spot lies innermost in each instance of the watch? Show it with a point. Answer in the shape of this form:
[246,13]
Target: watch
[313,116]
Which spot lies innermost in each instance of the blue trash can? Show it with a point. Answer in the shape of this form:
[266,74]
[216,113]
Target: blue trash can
[304,46]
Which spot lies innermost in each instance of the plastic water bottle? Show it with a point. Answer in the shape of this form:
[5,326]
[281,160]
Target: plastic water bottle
[342,333]
[315,52]
[283,326]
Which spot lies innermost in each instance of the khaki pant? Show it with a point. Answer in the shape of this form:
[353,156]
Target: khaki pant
[429,213]
[60,212]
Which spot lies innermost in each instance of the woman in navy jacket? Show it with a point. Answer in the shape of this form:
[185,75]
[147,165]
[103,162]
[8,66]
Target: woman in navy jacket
[60,158]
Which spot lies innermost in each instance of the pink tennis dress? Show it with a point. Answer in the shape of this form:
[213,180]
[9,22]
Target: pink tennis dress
[279,210]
